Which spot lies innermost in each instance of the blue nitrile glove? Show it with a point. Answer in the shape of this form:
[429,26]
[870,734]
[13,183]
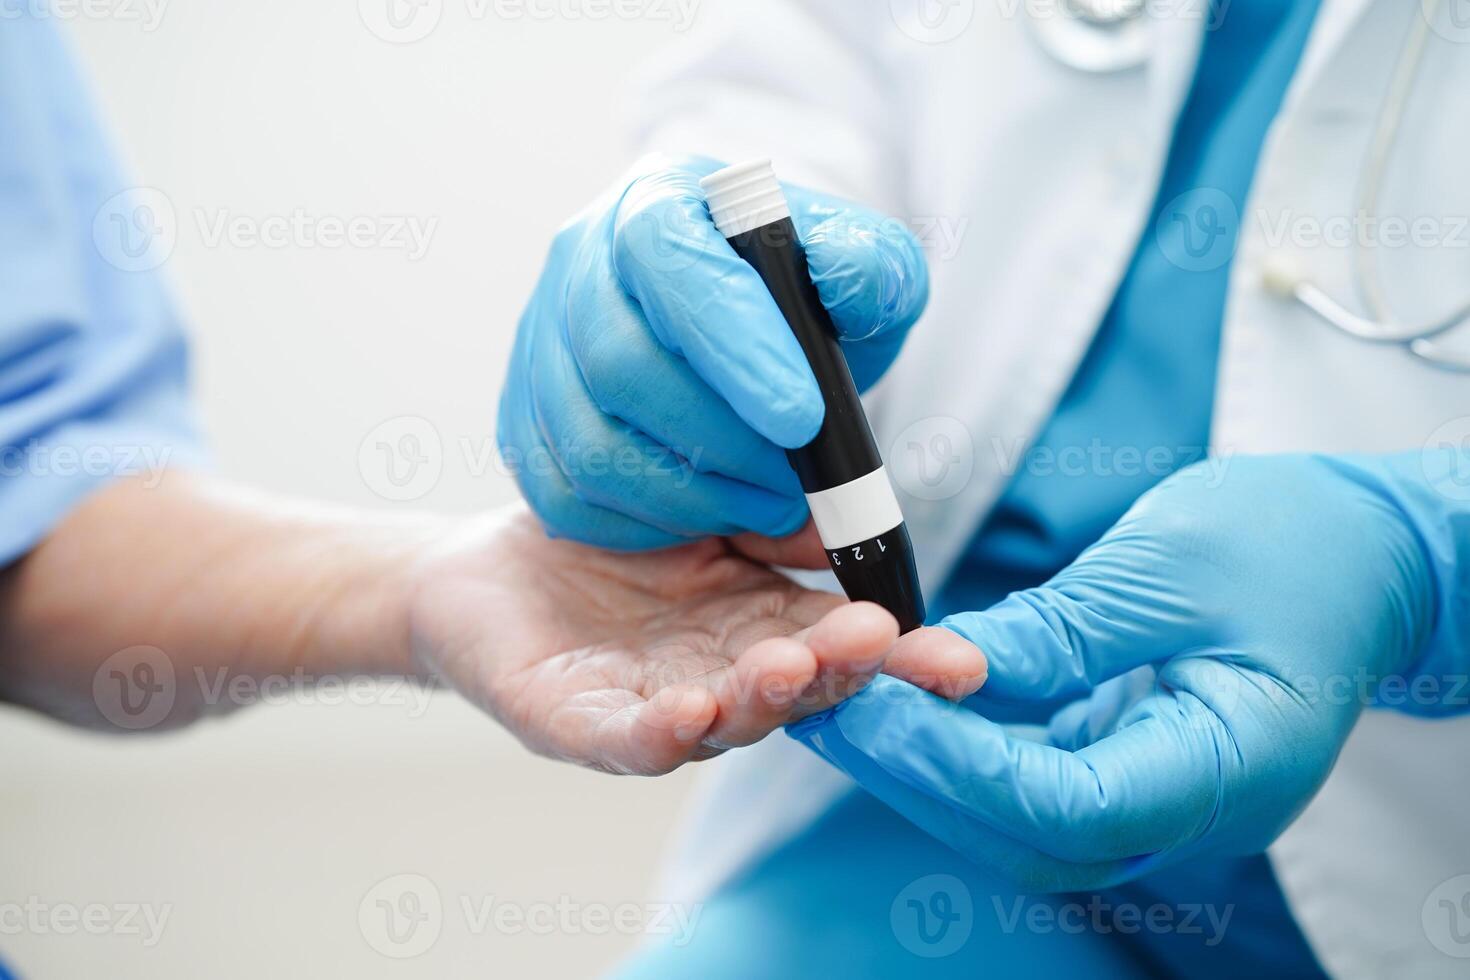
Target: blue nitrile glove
[654,383]
[1272,603]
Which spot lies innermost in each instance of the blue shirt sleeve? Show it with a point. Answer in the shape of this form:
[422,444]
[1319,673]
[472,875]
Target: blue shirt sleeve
[93,362]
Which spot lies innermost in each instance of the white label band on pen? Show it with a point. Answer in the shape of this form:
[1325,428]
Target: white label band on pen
[856,511]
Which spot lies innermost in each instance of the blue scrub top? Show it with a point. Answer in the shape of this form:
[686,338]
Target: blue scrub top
[1139,408]
[92,357]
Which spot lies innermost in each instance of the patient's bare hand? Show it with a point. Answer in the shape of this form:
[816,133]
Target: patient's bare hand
[640,663]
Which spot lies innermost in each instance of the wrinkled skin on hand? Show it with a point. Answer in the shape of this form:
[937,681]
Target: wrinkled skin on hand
[640,663]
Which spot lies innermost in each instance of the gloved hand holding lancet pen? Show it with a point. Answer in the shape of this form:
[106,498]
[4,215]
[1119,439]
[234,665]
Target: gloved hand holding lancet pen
[657,386]
[650,341]
[841,471]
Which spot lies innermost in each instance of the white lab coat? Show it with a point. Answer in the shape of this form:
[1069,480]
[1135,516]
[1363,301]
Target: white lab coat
[1050,174]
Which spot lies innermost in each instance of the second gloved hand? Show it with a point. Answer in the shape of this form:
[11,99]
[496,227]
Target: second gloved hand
[654,384]
[1209,656]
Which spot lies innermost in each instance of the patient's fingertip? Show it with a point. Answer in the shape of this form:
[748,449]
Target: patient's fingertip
[859,634]
[961,686]
[686,711]
[775,671]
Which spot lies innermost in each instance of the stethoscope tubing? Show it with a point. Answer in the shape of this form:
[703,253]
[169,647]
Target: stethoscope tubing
[1104,18]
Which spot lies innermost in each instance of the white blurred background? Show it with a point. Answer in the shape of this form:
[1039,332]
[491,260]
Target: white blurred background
[260,835]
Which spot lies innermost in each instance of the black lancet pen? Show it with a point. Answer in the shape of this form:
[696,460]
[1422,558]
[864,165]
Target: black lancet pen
[841,471]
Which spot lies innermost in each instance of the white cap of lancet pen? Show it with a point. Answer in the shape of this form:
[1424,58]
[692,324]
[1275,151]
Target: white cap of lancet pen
[745,197]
